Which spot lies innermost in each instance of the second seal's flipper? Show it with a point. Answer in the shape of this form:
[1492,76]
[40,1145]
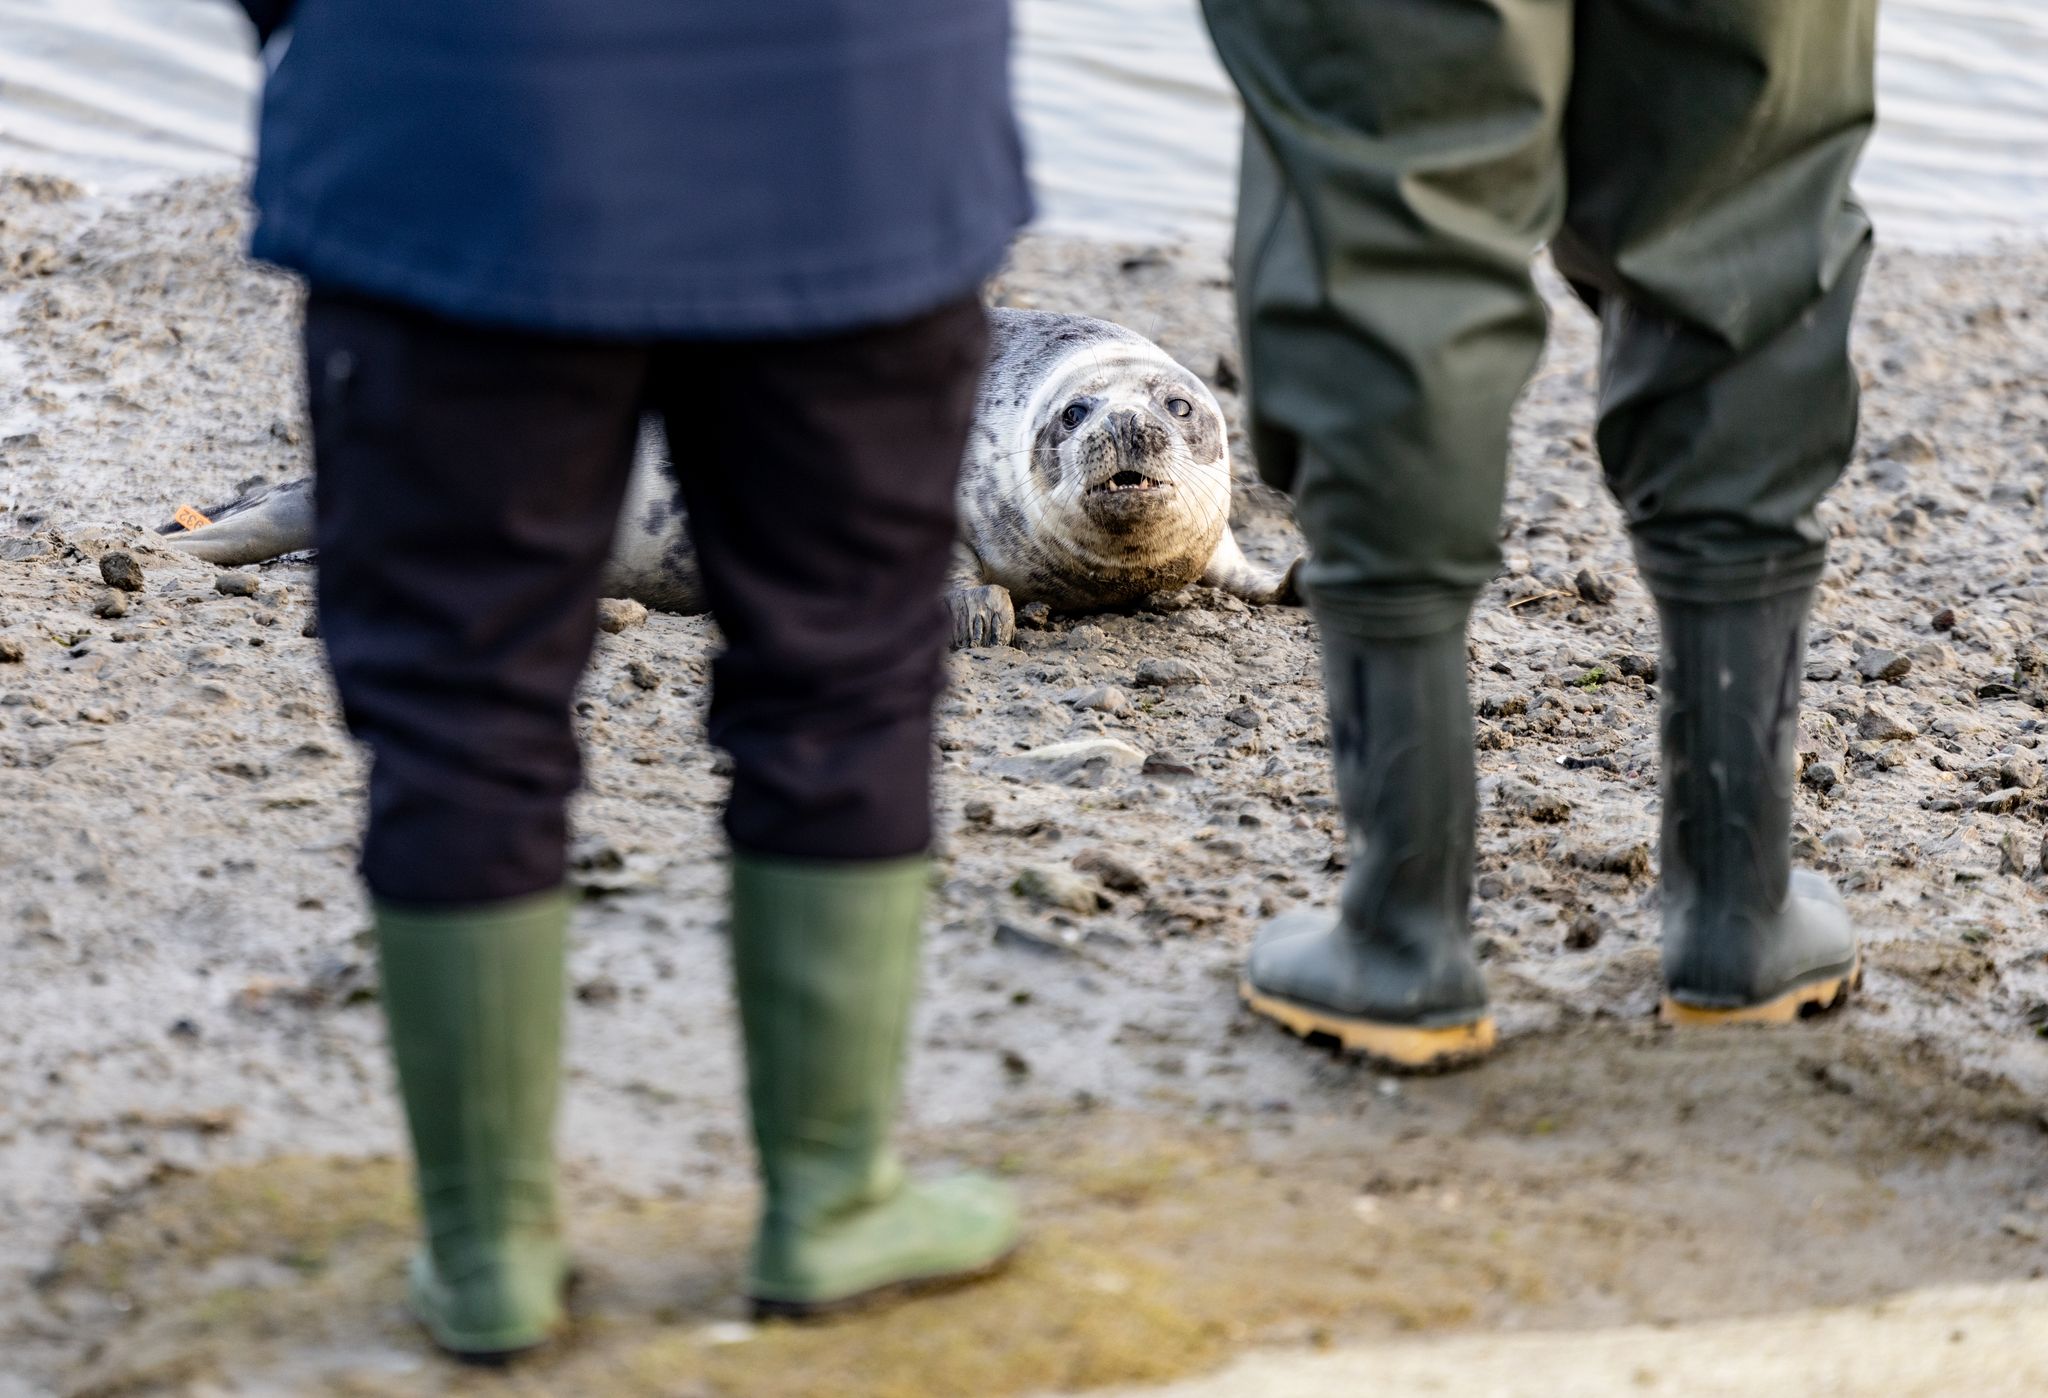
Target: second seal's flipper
[1230,571]
[264,524]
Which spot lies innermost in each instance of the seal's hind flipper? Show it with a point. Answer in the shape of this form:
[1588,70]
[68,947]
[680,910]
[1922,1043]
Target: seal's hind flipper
[1230,571]
[262,525]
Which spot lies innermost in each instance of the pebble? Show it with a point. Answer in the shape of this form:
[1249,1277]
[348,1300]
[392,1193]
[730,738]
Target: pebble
[616,614]
[118,569]
[1106,698]
[110,605]
[1532,803]
[1245,717]
[1643,667]
[1161,674]
[2021,772]
[1112,869]
[1880,724]
[11,651]
[1052,886]
[1943,620]
[1887,666]
[1584,933]
[237,584]
[1009,934]
[979,813]
[1593,588]
[1821,776]
[1057,760]
[643,675]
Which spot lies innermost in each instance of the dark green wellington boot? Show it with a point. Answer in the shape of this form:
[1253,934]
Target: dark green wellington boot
[1394,976]
[826,960]
[1747,938]
[474,1001]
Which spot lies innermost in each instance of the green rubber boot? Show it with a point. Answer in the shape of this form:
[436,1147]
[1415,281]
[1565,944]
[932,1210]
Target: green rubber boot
[826,959]
[1747,938]
[1393,976]
[474,1001]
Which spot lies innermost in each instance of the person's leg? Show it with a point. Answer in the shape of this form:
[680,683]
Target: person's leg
[821,503]
[466,486]
[1711,226]
[1402,164]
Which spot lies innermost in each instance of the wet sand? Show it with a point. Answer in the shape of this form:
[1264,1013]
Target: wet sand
[199,1149]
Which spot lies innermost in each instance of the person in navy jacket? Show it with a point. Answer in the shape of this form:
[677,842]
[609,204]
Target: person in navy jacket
[524,224]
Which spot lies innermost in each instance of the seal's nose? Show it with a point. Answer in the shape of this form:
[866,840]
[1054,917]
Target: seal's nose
[1125,428]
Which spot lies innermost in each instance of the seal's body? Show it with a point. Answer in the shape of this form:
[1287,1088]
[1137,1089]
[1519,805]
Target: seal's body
[1098,473]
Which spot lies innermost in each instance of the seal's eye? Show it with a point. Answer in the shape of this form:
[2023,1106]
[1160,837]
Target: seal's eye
[1179,407]
[1075,415]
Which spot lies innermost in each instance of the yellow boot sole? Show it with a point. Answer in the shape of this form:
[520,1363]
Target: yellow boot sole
[1403,1046]
[1815,997]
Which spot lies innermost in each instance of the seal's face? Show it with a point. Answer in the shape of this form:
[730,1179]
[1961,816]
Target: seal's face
[1133,456]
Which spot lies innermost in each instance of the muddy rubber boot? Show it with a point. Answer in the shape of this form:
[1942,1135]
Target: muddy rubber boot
[826,960]
[474,1001]
[1747,938]
[1393,976]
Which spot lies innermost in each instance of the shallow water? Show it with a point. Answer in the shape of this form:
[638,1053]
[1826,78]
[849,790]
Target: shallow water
[1135,138]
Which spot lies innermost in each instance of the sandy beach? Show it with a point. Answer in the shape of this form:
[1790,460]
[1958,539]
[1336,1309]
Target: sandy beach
[201,1174]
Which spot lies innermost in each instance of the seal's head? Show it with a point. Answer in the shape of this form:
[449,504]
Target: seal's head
[1129,452]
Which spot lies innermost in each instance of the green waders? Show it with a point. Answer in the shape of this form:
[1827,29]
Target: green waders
[825,957]
[1688,162]
[474,1001]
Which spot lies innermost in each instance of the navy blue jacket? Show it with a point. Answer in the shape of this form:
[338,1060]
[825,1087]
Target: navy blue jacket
[642,168]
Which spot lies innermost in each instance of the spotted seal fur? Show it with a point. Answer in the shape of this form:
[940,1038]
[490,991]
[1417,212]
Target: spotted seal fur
[1097,473]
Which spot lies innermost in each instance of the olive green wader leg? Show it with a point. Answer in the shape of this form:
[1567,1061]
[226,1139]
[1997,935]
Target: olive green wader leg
[474,1001]
[1393,975]
[1710,225]
[826,959]
[1403,162]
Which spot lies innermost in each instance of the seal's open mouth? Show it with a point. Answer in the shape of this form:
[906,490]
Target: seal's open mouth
[1128,480]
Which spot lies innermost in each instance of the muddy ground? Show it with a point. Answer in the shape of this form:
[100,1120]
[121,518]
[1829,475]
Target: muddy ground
[200,1188]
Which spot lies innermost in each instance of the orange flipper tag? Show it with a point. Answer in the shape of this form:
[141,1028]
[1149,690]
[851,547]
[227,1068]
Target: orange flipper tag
[189,518]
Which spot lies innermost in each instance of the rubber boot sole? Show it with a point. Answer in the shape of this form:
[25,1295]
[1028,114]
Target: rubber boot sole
[879,1297]
[1407,1047]
[1800,1002]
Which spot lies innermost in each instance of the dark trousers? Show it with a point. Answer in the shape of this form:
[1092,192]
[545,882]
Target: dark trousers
[468,483]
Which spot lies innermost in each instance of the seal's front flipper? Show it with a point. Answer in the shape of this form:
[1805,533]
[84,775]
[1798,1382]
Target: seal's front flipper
[1230,571]
[262,525]
[983,614]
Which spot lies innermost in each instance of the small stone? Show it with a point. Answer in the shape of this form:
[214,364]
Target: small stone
[1106,698]
[1057,761]
[1165,764]
[1593,588]
[118,569]
[1490,887]
[1887,666]
[979,813]
[1160,674]
[1010,935]
[1879,724]
[1531,803]
[2013,856]
[21,549]
[1943,620]
[1821,776]
[598,990]
[1584,933]
[1643,667]
[2019,771]
[1055,887]
[616,614]
[1034,615]
[237,584]
[1909,448]
[110,605]
[1112,869]
[643,675]
[312,627]
[1245,717]
[11,651]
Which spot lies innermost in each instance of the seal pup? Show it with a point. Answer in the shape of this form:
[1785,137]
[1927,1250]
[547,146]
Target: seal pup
[1097,473]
